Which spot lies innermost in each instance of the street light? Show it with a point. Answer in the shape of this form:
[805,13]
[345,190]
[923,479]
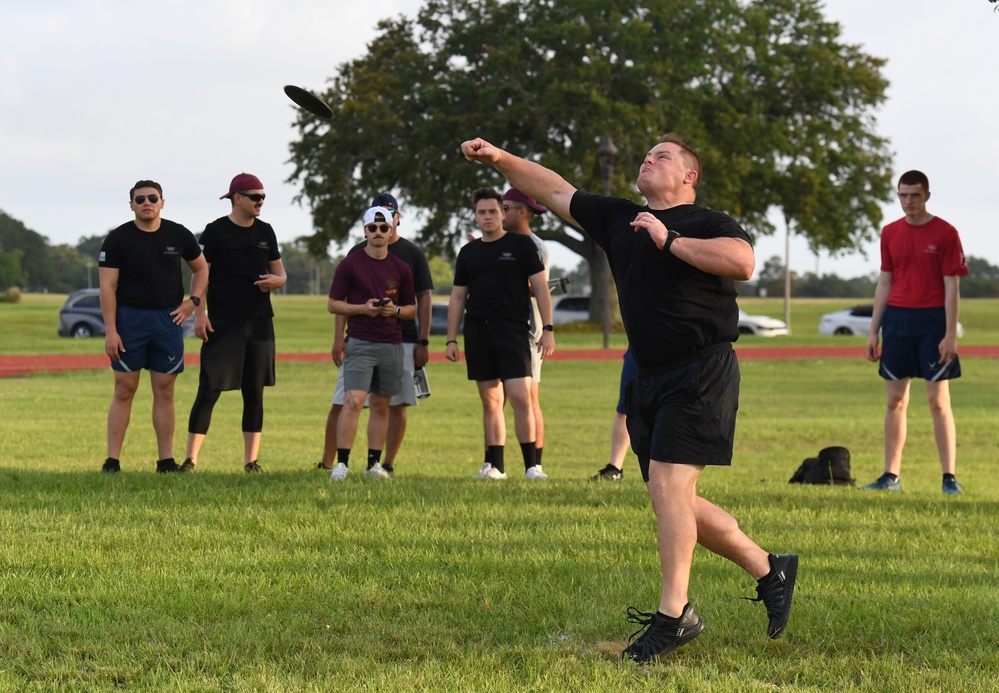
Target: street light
[90,265]
[607,158]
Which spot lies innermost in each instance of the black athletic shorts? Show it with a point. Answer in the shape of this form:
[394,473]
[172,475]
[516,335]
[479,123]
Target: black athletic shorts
[238,354]
[497,349]
[685,413]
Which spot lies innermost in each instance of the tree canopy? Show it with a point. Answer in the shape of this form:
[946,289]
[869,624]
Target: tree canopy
[779,107]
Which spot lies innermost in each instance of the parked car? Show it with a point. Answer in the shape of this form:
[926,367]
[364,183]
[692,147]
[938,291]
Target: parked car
[438,319]
[854,321]
[81,317]
[761,325]
[570,308]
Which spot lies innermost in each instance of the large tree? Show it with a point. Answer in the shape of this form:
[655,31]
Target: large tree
[778,106]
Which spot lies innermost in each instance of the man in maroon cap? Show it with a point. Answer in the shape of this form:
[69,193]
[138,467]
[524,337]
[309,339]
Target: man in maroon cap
[519,209]
[237,352]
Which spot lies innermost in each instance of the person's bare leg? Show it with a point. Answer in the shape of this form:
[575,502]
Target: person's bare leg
[378,420]
[944,431]
[895,423]
[164,416]
[346,427]
[329,441]
[518,391]
[673,490]
[194,442]
[120,410]
[539,418]
[397,421]
[719,532]
[493,421]
[620,440]
[251,446]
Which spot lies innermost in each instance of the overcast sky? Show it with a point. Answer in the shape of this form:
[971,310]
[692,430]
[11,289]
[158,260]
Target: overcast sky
[96,94]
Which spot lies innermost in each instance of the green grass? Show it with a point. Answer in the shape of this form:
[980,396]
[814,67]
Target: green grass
[223,581]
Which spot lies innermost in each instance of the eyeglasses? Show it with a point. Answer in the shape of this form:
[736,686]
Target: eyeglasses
[377,228]
[507,208]
[256,197]
[140,199]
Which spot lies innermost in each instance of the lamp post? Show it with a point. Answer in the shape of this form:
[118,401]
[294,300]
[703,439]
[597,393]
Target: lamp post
[90,265]
[607,158]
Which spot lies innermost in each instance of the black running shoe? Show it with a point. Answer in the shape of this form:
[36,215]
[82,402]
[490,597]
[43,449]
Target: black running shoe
[324,467]
[660,638]
[389,468]
[188,465]
[167,466]
[252,468]
[775,590]
[111,466]
[608,473]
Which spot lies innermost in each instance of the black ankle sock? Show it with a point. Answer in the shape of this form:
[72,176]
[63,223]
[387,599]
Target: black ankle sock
[530,454]
[949,477]
[894,477]
[494,456]
[343,456]
[374,457]
[537,456]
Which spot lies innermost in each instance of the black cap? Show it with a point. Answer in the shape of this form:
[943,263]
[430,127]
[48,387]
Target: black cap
[385,200]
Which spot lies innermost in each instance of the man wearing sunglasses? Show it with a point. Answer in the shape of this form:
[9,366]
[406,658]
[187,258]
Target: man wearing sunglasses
[237,328]
[373,290]
[415,343]
[142,301]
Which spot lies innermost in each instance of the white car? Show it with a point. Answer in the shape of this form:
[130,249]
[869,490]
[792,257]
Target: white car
[854,321]
[570,308]
[761,325]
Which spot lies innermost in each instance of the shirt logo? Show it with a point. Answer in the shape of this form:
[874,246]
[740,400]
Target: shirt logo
[100,258]
[507,256]
[170,250]
[264,245]
[932,249]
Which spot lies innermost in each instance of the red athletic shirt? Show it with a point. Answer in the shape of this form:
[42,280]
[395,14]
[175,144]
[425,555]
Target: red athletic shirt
[919,257]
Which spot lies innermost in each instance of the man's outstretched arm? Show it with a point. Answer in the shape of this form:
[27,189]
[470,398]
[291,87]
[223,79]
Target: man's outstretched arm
[544,185]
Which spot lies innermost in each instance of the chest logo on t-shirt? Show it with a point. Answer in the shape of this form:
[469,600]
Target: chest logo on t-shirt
[171,250]
[932,249]
[263,245]
[507,256]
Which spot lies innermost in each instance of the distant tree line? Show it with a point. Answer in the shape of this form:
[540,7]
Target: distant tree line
[28,261]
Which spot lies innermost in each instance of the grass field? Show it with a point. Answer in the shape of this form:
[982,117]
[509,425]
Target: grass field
[223,581]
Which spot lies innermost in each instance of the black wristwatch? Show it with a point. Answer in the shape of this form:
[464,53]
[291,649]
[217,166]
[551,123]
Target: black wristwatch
[196,300]
[548,328]
[422,342]
[670,237]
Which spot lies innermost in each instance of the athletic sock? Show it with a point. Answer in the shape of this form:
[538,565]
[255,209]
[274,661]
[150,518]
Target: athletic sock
[949,477]
[343,456]
[494,456]
[374,457]
[530,454]
[537,456]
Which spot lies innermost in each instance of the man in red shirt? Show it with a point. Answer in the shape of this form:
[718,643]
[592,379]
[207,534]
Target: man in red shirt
[915,310]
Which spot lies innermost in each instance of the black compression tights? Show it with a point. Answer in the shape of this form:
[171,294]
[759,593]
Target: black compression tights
[204,403]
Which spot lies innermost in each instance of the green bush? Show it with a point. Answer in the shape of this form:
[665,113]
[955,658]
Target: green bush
[11,295]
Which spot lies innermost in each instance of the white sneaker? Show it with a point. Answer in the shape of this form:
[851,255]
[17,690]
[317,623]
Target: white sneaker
[377,471]
[339,472]
[490,472]
[535,473]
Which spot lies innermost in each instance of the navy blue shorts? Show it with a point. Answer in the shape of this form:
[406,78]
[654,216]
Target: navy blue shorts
[685,414]
[629,369]
[151,340]
[497,349]
[910,345]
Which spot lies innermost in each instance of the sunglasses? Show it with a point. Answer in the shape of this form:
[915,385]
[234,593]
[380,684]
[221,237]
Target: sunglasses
[256,197]
[140,199]
[377,228]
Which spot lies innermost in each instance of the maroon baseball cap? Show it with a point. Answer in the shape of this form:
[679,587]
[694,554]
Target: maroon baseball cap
[514,195]
[242,183]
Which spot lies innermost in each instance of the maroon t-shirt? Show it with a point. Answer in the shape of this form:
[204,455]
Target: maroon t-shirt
[360,277]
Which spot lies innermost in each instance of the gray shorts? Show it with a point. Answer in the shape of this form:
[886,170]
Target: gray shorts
[535,362]
[407,393]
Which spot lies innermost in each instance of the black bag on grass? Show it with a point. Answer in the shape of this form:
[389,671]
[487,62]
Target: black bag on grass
[832,466]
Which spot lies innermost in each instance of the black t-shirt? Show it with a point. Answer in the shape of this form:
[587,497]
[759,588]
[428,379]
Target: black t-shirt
[238,255]
[148,263]
[669,308]
[410,253]
[496,275]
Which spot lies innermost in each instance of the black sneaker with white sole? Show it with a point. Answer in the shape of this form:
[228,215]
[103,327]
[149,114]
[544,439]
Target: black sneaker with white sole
[775,590]
[608,473]
[662,634]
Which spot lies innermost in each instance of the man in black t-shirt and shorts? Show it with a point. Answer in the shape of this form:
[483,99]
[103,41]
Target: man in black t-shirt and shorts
[415,344]
[237,329]
[493,278]
[675,265]
[142,301]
